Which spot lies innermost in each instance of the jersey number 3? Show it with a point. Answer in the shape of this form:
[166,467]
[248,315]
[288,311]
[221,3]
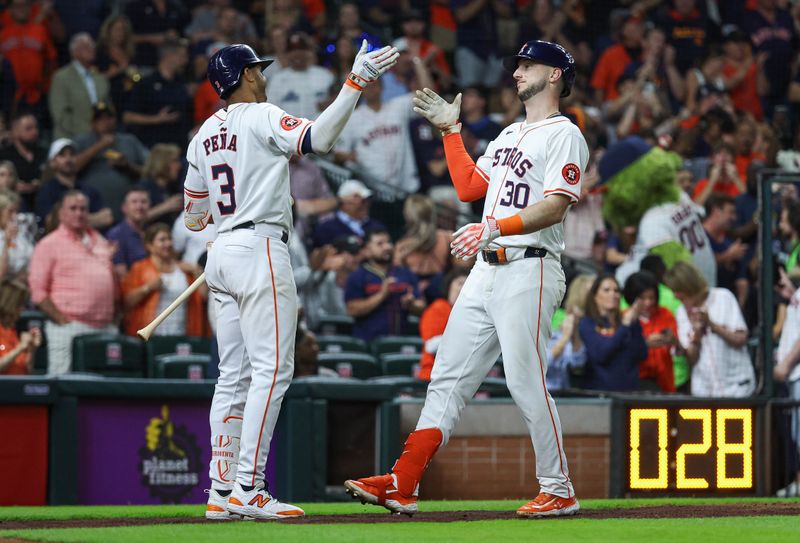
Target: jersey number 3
[217,171]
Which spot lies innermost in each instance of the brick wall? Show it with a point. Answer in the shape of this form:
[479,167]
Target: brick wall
[488,467]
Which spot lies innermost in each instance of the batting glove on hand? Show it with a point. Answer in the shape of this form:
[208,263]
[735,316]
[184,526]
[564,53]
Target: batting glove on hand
[436,109]
[370,66]
[470,239]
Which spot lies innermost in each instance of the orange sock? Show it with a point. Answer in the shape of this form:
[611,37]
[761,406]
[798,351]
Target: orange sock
[419,448]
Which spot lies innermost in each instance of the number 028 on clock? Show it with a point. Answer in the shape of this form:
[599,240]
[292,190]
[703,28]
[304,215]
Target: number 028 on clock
[698,450]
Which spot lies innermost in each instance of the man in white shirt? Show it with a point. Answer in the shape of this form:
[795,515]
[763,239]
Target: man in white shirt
[301,86]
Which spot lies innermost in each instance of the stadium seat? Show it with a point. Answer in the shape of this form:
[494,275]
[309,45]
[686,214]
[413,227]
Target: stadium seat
[341,344]
[358,365]
[397,344]
[181,345]
[400,364]
[182,366]
[331,325]
[112,355]
[35,319]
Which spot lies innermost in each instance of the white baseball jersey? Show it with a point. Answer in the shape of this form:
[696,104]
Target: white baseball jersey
[382,143]
[299,93]
[721,370]
[790,334]
[528,162]
[241,154]
[673,221]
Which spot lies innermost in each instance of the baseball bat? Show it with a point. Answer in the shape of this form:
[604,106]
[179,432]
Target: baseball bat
[148,330]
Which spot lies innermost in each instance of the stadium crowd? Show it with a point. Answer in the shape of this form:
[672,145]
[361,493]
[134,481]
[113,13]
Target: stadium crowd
[99,99]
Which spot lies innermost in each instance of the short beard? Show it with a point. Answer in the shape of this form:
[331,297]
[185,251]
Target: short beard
[534,89]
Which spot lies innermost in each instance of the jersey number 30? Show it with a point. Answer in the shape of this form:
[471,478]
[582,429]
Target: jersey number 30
[217,171]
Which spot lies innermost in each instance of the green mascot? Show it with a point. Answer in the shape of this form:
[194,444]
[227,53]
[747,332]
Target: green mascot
[642,191]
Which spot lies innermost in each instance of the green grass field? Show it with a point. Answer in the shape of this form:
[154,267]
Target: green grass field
[708,530]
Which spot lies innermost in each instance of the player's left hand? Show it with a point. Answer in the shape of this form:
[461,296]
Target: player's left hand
[473,237]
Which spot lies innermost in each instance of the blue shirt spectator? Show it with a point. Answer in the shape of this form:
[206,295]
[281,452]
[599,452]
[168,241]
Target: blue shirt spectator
[560,365]
[380,296]
[352,218]
[614,345]
[128,233]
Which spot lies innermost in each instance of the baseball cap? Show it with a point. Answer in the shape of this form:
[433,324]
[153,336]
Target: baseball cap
[353,186]
[412,14]
[59,145]
[347,243]
[101,109]
[298,41]
[734,33]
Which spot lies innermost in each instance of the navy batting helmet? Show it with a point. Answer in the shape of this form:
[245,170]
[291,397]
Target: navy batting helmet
[548,53]
[226,65]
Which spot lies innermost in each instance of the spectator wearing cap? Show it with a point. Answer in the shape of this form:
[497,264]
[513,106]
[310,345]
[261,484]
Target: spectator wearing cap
[72,281]
[109,161]
[28,157]
[689,31]
[380,296]
[76,89]
[740,71]
[352,217]
[61,159]
[331,265]
[157,110]
[154,22]
[772,31]
[612,63]
[312,194]
[300,86]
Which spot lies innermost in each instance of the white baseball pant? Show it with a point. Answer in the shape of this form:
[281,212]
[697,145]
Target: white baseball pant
[504,308]
[249,274]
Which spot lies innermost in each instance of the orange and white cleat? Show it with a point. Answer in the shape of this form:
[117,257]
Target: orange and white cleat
[549,505]
[382,490]
[259,504]
[217,507]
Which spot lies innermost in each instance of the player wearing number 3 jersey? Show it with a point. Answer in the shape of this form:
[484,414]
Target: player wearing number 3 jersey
[239,177]
[530,175]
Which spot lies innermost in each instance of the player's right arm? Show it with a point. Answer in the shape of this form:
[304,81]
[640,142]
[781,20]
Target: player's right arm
[469,179]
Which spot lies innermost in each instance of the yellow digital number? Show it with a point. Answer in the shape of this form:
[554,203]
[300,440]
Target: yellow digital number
[637,416]
[745,448]
[703,415]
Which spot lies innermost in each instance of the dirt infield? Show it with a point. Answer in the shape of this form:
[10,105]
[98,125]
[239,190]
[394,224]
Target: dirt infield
[645,512]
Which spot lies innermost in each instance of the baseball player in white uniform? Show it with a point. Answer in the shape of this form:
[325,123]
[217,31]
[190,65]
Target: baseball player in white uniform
[239,177]
[530,175]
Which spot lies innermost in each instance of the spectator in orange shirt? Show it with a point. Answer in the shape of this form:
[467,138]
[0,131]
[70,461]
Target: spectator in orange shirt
[723,176]
[434,320]
[612,63]
[16,351]
[152,283]
[27,45]
[740,71]
[659,329]
[413,27]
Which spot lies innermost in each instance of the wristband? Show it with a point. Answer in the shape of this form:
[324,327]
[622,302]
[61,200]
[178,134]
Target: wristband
[356,81]
[511,226]
[454,129]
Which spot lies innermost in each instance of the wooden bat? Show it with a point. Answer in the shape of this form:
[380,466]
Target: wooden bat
[148,330]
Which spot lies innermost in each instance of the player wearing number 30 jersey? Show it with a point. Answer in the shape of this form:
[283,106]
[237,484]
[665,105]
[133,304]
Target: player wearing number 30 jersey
[239,177]
[530,175]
